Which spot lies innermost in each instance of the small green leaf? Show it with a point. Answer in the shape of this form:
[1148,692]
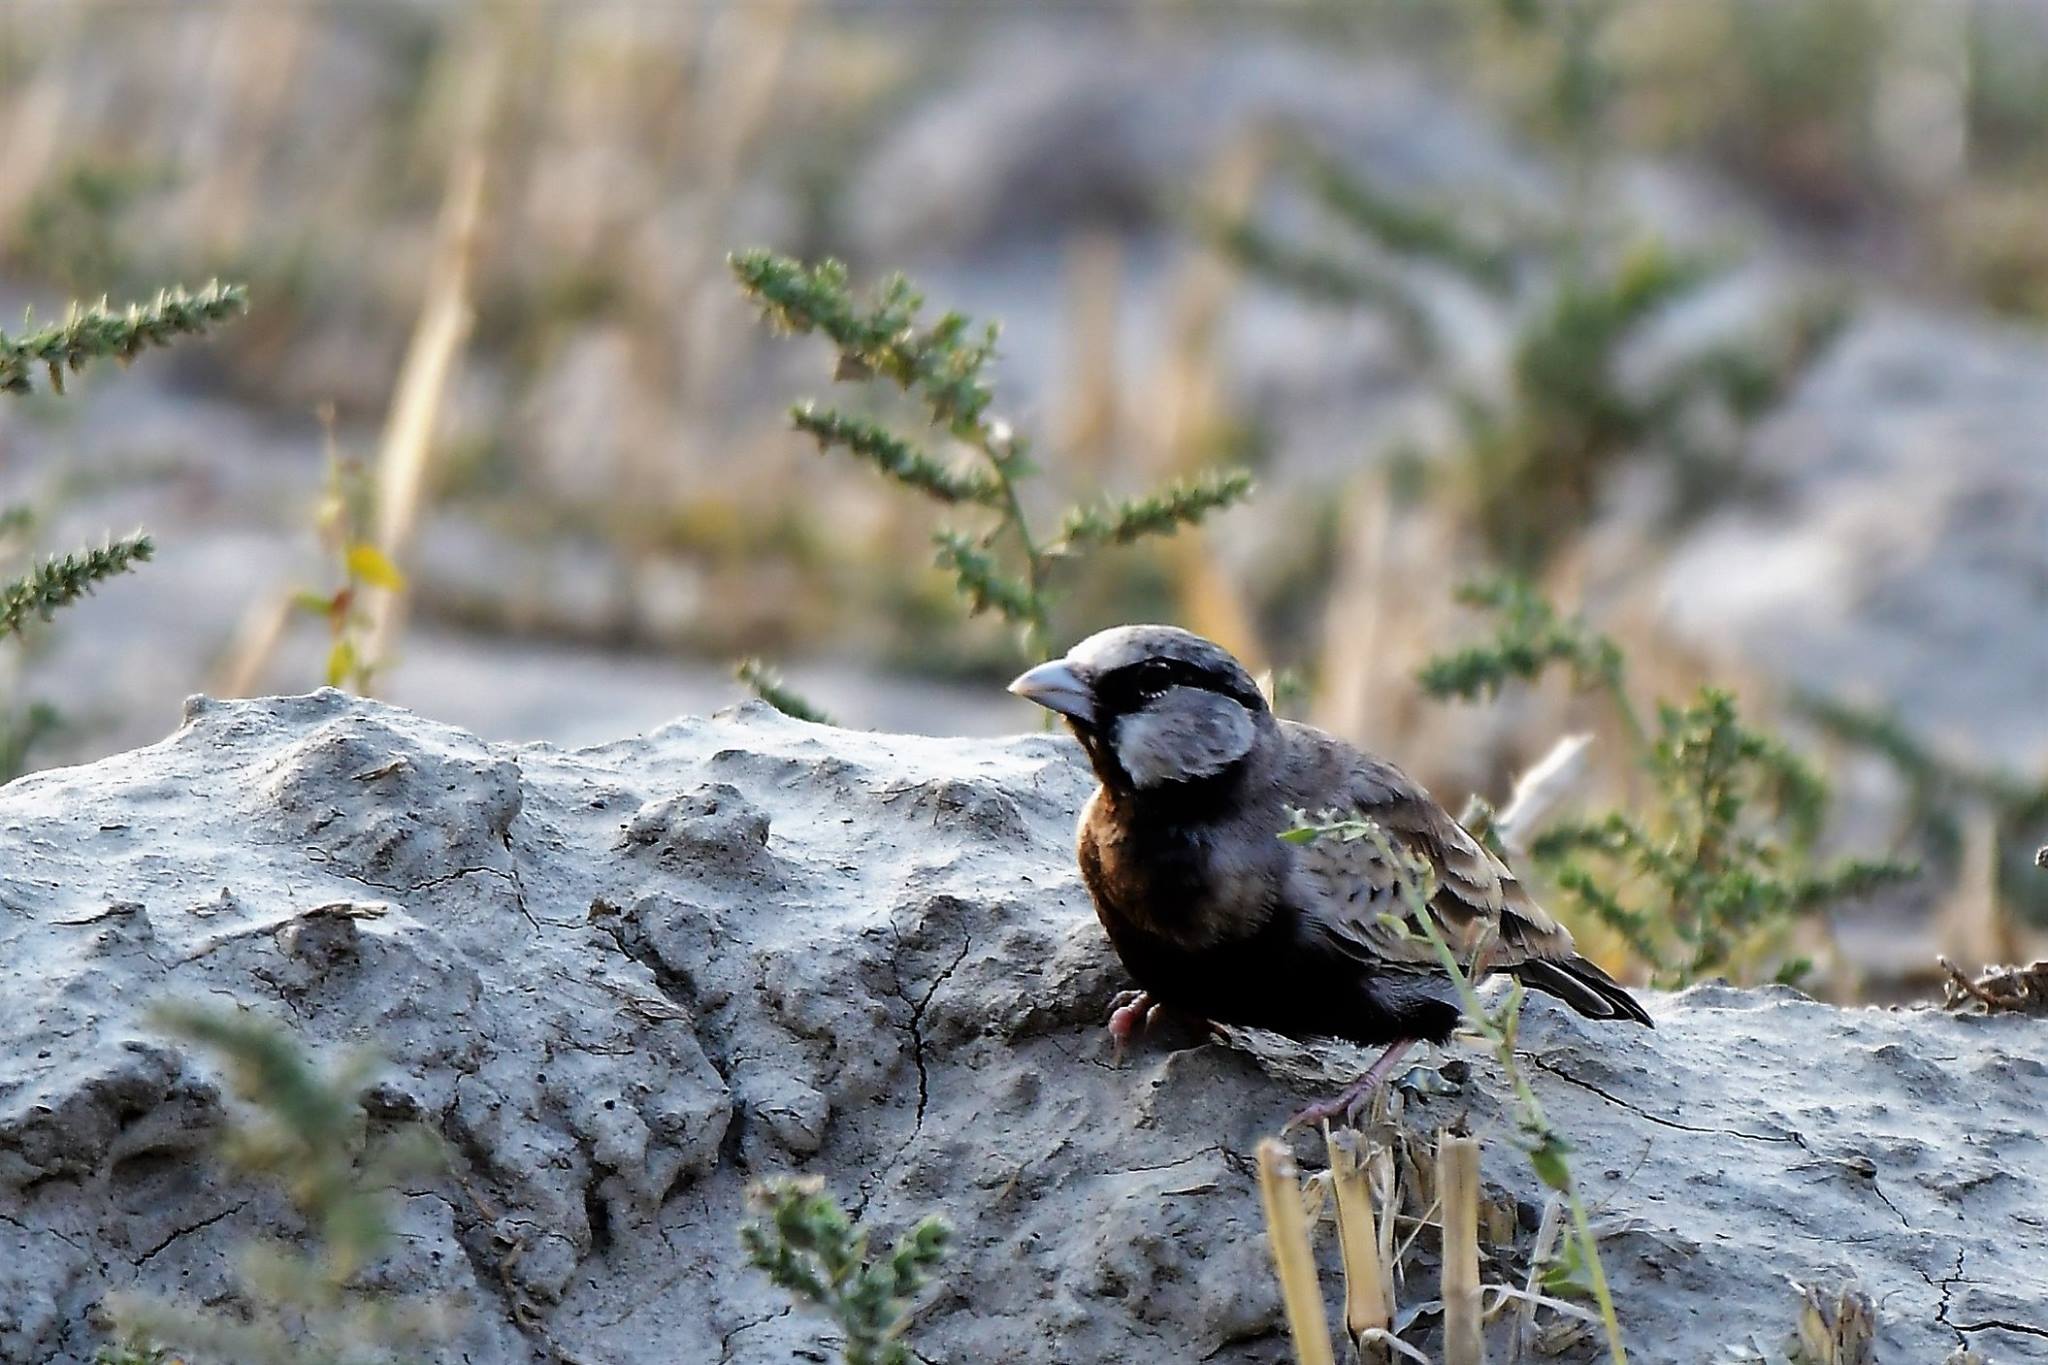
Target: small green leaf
[1567,1274]
[1548,1159]
[767,684]
[1793,972]
[341,662]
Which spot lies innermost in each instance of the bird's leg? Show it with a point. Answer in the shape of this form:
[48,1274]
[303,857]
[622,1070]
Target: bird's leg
[1129,1009]
[1351,1103]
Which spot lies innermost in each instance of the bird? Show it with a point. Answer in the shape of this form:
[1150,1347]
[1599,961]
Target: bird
[1218,917]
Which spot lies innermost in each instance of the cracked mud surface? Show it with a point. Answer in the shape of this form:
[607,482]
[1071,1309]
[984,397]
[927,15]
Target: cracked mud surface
[624,980]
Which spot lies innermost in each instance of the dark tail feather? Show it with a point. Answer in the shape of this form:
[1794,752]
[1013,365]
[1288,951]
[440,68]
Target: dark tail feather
[1584,987]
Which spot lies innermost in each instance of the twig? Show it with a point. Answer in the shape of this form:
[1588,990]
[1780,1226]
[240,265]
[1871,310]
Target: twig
[2001,990]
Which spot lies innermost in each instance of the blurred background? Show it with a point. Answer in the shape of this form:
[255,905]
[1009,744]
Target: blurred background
[1724,323]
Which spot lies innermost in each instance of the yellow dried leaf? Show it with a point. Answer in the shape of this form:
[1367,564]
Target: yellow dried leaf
[367,563]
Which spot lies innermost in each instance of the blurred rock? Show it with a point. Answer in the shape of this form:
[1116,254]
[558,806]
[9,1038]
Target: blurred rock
[1039,135]
[623,981]
[1902,557]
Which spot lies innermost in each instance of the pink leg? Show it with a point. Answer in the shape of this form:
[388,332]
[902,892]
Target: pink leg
[1352,1102]
[1132,1009]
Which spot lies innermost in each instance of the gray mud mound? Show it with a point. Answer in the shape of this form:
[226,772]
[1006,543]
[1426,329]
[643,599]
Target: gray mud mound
[624,981]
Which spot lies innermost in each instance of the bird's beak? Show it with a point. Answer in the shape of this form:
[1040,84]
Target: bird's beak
[1057,687]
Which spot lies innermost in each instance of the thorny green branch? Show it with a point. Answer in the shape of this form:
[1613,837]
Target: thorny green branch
[1178,504]
[1721,859]
[943,367]
[62,579]
[304,1128]
[90,333]
[809,1248]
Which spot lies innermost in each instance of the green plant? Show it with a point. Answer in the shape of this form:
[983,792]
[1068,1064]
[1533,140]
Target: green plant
[70,229]
[305,1130]
[61,580]
[810,1249]
[1000,562]
[1939,789]
[88,334]
[343,522]
[1529,636]
[38,592]
[1576,1269]
[1703,875]
[766,683]
[1532,447]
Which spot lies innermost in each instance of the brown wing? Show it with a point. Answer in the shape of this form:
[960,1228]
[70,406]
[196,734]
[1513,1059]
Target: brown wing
[1346,886]
[1350,884]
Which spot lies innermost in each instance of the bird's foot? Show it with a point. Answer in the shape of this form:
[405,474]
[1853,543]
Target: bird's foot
[1351,1104]
[1129,1011]
[1348,1105]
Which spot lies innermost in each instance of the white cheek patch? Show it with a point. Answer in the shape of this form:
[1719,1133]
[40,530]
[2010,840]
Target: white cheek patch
[1188,733]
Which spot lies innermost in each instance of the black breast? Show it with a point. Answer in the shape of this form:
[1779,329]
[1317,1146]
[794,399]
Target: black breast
[1212,935]
[1275,979]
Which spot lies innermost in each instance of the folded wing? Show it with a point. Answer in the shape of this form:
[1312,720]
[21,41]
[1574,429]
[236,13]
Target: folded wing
[1351,887]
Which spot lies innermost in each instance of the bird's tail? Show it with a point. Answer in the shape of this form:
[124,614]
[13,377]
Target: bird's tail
[1583,986]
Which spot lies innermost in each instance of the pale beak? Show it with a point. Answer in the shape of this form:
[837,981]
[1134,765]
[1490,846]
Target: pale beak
[1057,687]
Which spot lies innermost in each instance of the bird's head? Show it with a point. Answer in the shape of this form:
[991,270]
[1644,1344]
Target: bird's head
[1152,705]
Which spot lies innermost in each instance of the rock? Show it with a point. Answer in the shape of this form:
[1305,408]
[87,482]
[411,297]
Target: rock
[1899,562]
[623,981]
[1113,133]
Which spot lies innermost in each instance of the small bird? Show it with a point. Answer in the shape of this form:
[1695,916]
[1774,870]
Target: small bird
[1218,917]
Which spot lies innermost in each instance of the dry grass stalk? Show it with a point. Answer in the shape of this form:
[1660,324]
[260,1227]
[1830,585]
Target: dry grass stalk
[1090,411]
[1838,1328]
[257,636]
[1293,1257]
[1188,400]
[1368,1289]
[266,49]
[737,103]
[1464,1323]
[37,111]
[1974,925]
[1541,790]
[1539,1255]
[1351,621]
[405,455]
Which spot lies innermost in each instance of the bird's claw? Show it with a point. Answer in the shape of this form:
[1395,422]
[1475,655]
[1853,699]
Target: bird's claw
[1130,1010]
[1350,1106]
[1353,1103]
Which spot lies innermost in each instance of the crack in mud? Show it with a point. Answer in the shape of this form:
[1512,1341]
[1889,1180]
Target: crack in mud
[2001,1325]
[1793,1139]
[146,1257]
[917,1009]
[725,1341]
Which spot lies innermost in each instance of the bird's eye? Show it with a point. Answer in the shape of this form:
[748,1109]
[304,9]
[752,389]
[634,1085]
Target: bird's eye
[1154,677]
